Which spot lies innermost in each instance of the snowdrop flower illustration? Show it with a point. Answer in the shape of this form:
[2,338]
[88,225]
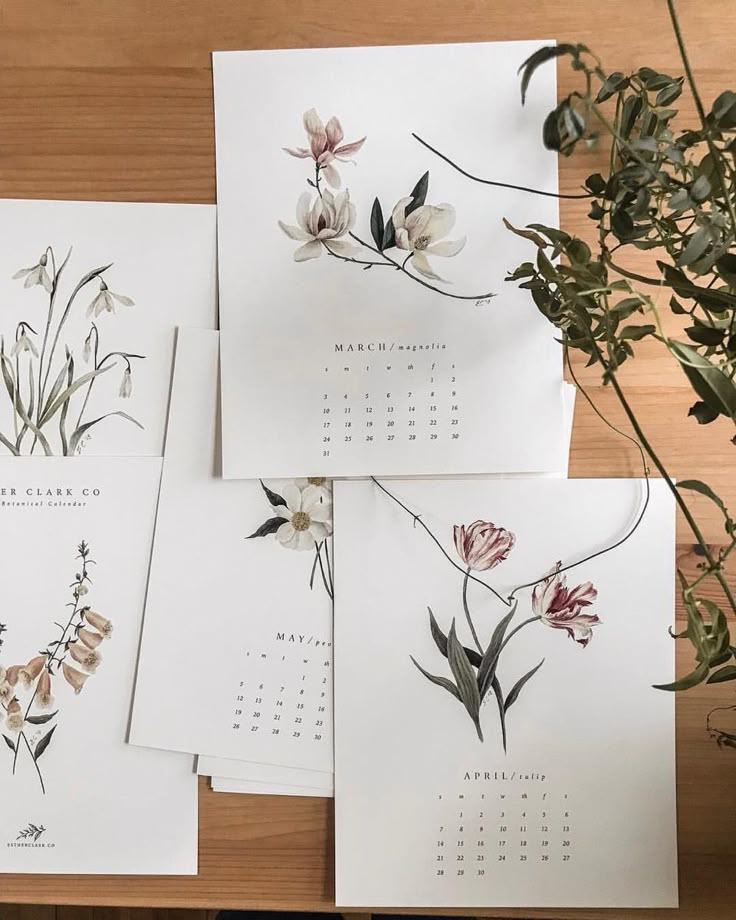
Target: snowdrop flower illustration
[307,518]
[325,145]
[98,622]
[126,384]
[105,300]
[36,274]
[22,342]
[563,608]
[481,545]
[421,233]
[321,224]
[74,677]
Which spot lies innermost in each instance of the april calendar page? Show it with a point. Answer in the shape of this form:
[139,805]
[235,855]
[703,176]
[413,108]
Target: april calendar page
[75,798]
[240,590]
[91,294]
[490,694]
[366,323]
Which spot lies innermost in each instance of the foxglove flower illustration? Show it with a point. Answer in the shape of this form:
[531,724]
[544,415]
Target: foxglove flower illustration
[307,518]
[44,699]
[6,691]
[36,274]
[321,224]
[325,145]
[11,675]
[15,720]
[105,300]
[98,622]
[87,657]
[80,589]
[31,671]
[23,342]
[421,233]
[89,637]
[481,545]
[564,608]
[74,677]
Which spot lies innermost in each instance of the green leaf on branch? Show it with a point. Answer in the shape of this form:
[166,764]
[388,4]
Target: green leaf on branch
[527,234]
[702,413]
[705,335]
[695,485]
[710,383]
[517,688]
[724,110]
[541,56]
[726,268]
[724,674]
[440,681]
[636,333]
[41,720]
[43,744]
[464,676]
[10,743]
[690,680]
[614,83]
[418,194]
[487,670]
[377,223]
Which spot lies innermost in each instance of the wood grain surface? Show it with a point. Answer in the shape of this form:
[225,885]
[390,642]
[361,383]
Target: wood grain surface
[102,99]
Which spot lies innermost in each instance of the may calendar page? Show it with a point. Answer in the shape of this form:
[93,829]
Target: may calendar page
[241,590]
[492,681]
[75,798]
[91,294]
[366,323]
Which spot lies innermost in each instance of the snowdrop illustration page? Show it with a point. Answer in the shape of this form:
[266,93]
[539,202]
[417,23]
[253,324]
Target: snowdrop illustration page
[91,294]
[74,796]
[366,324]
[500,670]
[269,647]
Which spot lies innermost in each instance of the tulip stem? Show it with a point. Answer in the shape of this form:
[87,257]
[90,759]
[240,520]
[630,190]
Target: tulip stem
[467,612]
[516,629]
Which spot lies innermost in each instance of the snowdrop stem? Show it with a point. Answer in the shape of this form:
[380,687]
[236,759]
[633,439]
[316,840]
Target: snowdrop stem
[401,267]
[467,611]
[49,317]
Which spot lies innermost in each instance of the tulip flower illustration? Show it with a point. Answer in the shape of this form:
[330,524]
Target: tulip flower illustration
[325,145]
[481,545]
[563,608]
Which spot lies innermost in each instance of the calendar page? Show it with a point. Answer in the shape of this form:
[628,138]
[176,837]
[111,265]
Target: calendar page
[254,611]
[493,677]
[366,324]
[75,798]
[249,787]
[242,772]
[91,295]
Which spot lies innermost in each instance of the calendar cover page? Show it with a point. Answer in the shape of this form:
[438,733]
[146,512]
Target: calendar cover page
[239,608]
[498,740]
[366,324]
[91,293]
[75,798]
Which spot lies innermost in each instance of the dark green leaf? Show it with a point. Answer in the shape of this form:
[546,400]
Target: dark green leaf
[696,247]
[389,235]
[712,300]
[703,413]
[614,83]
[517,688]
[629,113]
[596,211]
[705,335]
[541,56]
[727,673]
[440,681]
[441,641]
[498,693]
[487,669]
[596,184]
[267,527]
[622,224]
[10,744]
[635,333]
[526,234]
[677,307]
[695,485]
[41,720]
[726,267]
[700,189]
[690,680]
[708,381]
[273,497]
[464,675]
[627,306]
[668,94]
[724,110]
[418,194]
[43,744]
[377,223]
[551,132]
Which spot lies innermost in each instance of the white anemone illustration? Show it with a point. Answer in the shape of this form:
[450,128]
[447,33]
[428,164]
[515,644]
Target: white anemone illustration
[307,517]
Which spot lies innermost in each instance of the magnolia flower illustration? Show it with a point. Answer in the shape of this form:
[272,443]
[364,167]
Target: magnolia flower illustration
[104,301]
[325,145]
[321,224]
[563,608]
[36,274]
[307,517]
[98,622]
[481,545]
[22,342]
[421,233]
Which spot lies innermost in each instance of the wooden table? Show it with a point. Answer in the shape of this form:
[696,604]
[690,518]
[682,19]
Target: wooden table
[106,99]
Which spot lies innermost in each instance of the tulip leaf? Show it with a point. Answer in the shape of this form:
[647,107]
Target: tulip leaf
[418,194]
[273,497]
[487,669]
[690,680]
[464,676]
[79,432]
[43,744]
[9,742]
[517,688]
[727,673]
[498,693]
[41,720]
[267,527]
[440,681]
[377,225]
[441,641]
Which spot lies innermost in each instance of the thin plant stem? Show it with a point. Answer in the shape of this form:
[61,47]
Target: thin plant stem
[35,762]
[329,567]
[322,571]
[516,630]
[467,612]
[49,318]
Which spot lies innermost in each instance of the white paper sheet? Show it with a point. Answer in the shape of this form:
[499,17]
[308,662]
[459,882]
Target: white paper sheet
[342,369]
[248,787]
[159,272]
[268,635]
[73,795]
[222,770]
[580,808]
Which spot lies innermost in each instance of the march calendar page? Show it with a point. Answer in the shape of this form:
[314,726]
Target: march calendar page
[366,323]
[494,673]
